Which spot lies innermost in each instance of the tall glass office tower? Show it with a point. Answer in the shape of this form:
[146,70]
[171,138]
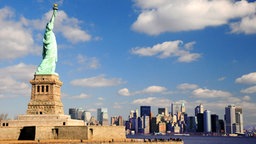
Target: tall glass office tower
[233,119]
[207,121]
[145,111]
[102,116]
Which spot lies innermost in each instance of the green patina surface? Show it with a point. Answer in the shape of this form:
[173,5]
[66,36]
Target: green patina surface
[50,57]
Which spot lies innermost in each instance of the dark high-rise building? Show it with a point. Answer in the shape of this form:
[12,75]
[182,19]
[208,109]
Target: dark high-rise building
[191,124]
[154,125]
[145,111]
[215,123]
[199,109]
[72,113]
[200,122]
[163,111]
[222,126]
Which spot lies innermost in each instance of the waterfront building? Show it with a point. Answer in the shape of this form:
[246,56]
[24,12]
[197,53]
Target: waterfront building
[72,113]
[176,128]
[207,121]
[135,124]
[230,118]
[120,121]
[183,109]
[200,122]
[168,127]
[140,126]
[177,108]
[174,118]
[222,126]
[79,113]
[234,119]
[93,121]
[191,124]
[163,111]
[116,120]
[134,113]
[162,127]
[215,123]
[239,123]
[146,124]
[239,119]
[153,125]
[86,116]
[199,109]
[145,110]
[102,116]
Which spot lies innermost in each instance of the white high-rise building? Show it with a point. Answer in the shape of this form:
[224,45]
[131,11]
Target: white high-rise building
[207,121]
[233,119]
[177,108]
[87,116]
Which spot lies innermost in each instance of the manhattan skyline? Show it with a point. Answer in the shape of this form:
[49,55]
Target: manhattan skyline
[124,54]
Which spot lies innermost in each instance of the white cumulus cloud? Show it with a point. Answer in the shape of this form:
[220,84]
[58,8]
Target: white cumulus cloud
[81,96]
[187,86]
[207,93]
[249,90]
[68,27]
[97,81]
[15,39]
[169,49]
[246,98]
[14,80]
[124,92]
[154,89]
[152,101]
[246,25]
[19,71]
[161,16]
[247,78]
[148,90]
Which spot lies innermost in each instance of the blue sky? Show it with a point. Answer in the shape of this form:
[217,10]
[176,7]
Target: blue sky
[121,54]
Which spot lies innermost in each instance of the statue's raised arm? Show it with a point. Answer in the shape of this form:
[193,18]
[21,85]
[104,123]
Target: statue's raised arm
[49,54]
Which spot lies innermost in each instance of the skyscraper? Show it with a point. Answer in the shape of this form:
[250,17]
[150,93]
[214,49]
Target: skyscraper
[233,119]
[191,124]
[163,111]
[199,109]
[200,122]
[239,119]
[215,123]
[87,116]
[230,118]
[145,111]
[207,121]
[72,113]
[102,116]
[239,123]
[177,108]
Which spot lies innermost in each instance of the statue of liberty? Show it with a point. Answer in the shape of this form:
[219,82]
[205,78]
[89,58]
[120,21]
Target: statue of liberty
[48,64]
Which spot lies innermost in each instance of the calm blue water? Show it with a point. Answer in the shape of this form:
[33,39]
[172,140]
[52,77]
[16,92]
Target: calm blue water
[203,139]
[218,140]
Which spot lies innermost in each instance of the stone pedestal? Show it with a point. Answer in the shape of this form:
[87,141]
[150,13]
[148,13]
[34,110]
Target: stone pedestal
[45,95]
